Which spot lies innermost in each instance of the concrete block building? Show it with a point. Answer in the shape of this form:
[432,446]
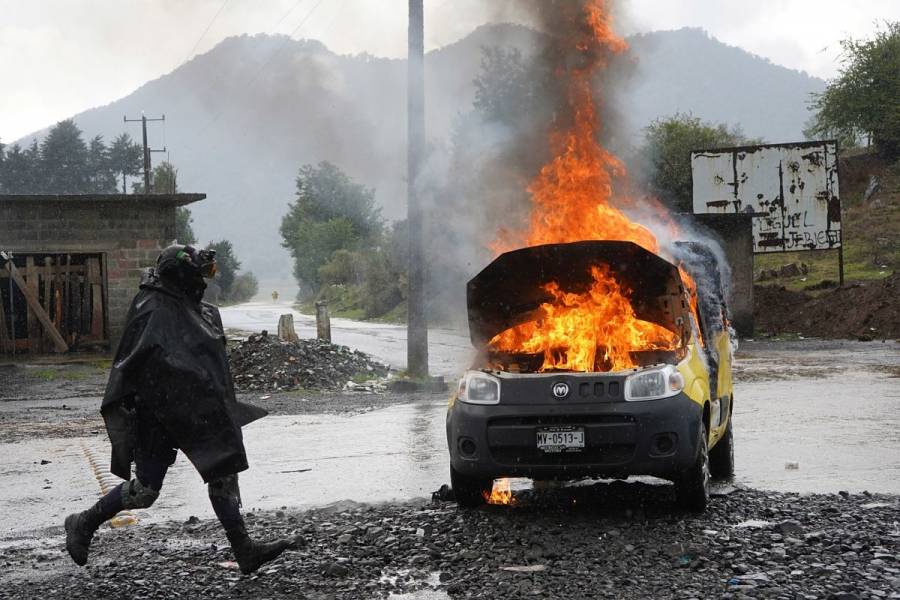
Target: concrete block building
[735,234]
[72,265]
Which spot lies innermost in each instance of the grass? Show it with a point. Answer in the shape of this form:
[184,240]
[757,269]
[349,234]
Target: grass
[871,232]
[104,364]
[54,374]
[363,377]
[309,308]
[347,310]
[46,374]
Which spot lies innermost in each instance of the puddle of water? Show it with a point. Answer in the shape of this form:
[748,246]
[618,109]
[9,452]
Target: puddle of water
[305,461]
[841,431]
[822,434]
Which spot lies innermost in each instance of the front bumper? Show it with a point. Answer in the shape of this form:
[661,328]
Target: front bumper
[620,438]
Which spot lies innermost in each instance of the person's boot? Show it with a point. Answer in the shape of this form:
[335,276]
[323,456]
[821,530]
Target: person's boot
[252,555]
[80,528]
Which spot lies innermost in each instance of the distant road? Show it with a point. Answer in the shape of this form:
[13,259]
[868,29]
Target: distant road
[450,352]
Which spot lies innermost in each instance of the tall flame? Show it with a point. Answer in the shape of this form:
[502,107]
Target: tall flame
[593,331]
[571,197]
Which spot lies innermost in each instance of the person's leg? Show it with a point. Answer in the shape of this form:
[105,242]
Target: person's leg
[153,458]
[140,492]
[225,497]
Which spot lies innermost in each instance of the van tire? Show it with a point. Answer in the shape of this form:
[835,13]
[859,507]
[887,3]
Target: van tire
[469,491]
[721,457]
[692,486]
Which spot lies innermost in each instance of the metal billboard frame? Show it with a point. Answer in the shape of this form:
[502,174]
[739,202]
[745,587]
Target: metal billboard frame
[753,148]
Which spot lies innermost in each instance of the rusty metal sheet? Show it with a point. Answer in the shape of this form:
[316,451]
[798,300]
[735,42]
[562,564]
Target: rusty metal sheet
[792,188]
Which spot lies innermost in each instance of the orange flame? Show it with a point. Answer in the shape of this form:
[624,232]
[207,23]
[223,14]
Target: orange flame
[572,193]
[593,331]
[501,493]
[571,197]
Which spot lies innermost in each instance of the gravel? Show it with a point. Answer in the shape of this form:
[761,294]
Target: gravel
[619,540]
[265,363]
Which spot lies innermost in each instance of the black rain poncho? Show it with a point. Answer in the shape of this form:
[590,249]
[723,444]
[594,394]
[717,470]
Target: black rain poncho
[172,362]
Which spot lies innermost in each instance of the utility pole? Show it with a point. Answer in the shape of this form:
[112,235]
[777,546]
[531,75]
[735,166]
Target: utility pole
[416,322]
[147,150]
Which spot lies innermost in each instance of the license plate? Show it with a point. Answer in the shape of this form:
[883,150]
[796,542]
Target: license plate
[561,439]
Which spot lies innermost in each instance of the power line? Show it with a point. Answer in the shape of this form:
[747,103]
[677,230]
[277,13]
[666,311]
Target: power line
[278,23]
[205,31]
[243,131]
[285,15]
[147,150]
[284,43]
[268,61]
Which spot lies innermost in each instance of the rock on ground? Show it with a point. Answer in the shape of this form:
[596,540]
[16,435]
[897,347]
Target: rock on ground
[265,363]
[617,540]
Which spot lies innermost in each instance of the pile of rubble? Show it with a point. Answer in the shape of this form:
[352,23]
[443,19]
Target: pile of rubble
[265,363]
[618,540]
[860,310]
[785,272]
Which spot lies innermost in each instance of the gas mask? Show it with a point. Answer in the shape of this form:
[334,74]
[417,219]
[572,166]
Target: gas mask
[185,267]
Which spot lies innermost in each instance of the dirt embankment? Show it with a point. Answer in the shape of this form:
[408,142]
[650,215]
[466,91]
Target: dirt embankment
[867,311]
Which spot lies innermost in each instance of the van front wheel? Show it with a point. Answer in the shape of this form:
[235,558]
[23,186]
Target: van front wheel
[692,486]
[721,457]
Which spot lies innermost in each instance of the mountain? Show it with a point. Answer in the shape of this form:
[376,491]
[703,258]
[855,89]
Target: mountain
[689,71]
[243,117]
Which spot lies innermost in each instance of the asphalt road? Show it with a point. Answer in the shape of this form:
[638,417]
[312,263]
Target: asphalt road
[449,351]
[809,417]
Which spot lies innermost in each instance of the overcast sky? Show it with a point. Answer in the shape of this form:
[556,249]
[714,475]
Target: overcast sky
[60,57]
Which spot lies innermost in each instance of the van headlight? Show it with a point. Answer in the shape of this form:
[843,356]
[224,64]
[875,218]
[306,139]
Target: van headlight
[653,384]
[481,389]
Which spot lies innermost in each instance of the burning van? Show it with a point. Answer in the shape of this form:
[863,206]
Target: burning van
[595,359]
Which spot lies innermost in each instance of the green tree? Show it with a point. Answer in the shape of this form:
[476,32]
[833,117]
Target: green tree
[125,158]
[2,167]
[864,100]
[245,287]
[331,212]
[184,230]
[665,156]
[509,88]
[165,178]
[33,174]
[101,176]
[64,160]
[227,265]
[20,170]
[371,279]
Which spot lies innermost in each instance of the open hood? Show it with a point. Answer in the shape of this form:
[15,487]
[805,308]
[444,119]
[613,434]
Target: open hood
[510,290]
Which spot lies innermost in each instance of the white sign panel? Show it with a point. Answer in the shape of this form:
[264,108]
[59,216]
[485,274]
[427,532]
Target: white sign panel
[791,188]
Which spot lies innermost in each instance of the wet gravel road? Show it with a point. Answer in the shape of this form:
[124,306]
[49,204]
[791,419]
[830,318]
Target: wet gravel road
[603,541]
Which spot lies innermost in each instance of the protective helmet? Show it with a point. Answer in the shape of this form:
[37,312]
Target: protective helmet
[186,260]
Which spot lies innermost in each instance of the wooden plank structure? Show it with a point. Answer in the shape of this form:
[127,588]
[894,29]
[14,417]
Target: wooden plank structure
[6,344]
[54,304]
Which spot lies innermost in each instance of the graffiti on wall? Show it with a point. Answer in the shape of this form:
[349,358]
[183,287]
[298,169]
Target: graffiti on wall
[791,189]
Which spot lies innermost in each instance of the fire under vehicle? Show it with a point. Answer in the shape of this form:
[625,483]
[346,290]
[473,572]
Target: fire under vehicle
[592,363]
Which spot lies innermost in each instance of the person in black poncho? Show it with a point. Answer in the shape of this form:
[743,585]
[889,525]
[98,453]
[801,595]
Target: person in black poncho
[170,388]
